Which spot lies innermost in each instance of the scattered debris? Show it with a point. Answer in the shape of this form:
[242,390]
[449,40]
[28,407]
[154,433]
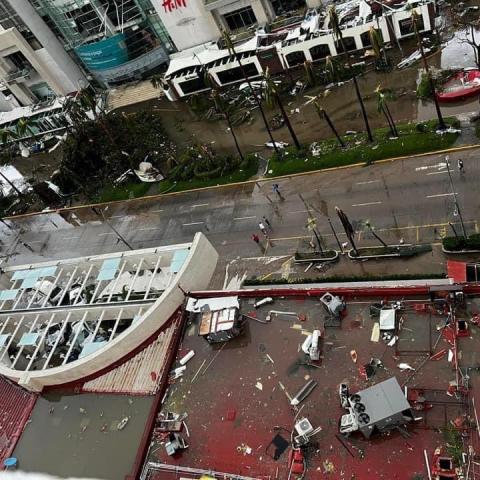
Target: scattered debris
[259,386]
[282,386]
[187,357]
[175,443]
[310,345]
[375,337]
[122,423]
[263,301]
[405,366]
[353,356]
[303,393]
[245,449]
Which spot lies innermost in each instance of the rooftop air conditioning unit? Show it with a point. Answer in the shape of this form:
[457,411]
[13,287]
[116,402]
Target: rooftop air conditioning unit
[303,427]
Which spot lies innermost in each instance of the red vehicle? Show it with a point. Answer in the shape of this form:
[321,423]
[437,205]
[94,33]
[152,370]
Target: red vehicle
[460,86]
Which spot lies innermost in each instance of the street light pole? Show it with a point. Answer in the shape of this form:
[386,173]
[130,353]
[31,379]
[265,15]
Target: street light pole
[457,206]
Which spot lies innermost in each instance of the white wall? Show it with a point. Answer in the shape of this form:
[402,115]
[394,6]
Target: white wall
[195,274]
[63,62]
[188,26]
[67,79]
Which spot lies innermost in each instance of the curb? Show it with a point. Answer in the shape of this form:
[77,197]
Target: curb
[247,182]
[387,255]
[459,252]
[317,260]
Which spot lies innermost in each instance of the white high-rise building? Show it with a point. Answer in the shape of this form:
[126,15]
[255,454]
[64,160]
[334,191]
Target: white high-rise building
[56,47]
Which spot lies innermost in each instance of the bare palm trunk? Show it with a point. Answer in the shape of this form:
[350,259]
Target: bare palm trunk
[287,121]
[392,121]
[258,103]
[441,121]
[332,127]
[378,238]
[357,91]
[232,131]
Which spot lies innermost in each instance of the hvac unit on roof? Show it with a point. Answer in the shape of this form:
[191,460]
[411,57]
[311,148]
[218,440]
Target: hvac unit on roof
[363,418]
[303,427]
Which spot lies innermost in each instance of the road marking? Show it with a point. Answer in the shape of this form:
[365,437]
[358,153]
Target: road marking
[69,238]
[299,211]
[429,167]
[106,233]
[441,195]
[117,216]
[200,205]
[34,241]
[244,218]
[148,228]
[157,211]
[367,182]
[365,204]
[192,223]
[437,173]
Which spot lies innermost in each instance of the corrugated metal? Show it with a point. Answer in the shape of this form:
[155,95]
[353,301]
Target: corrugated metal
[142,374]
[15,407]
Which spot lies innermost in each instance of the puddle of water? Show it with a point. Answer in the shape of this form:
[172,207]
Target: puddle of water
[77,435]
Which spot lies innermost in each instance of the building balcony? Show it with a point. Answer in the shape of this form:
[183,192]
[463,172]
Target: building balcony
[18,74]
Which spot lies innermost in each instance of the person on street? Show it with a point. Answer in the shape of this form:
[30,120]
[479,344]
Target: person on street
[276,189]
[267,223]
[461,168]
[255,238]
[262,228]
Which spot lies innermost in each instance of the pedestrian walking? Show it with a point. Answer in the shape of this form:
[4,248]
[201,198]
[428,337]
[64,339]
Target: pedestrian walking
[262,228]
[276,189]
[255,238]
[461,168]
[267,223]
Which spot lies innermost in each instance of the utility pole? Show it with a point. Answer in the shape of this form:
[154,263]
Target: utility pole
[457,206]
[99,212]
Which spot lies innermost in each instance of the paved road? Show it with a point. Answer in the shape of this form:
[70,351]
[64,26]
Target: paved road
[409,199]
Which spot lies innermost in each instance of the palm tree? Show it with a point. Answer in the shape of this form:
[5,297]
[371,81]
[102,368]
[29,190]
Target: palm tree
[378,46]
[324,116]
[24,127]
[441,122]
[7,135]
[231,49]
[347,226]
[310,78]
[338,34]
[271,93]
[156,81]
[382,106]
[221,108]
[333,69]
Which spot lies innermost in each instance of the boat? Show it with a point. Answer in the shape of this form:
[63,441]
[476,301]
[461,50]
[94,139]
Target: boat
[122,423]
[460,86]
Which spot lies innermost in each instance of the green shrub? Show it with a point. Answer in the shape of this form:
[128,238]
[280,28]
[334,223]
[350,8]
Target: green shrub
[456,244]
[359,150]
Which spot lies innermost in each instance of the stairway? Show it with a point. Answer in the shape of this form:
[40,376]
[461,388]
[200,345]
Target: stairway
[132,93]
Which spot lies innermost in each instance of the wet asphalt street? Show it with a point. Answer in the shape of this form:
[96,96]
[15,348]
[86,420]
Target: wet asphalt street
[409,199]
